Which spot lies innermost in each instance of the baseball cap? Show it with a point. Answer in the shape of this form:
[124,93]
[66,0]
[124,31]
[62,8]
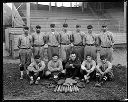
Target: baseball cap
[89,27]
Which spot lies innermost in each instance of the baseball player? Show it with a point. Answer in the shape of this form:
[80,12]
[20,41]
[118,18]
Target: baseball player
[106,43]
[89,41]
[38,40]
[25,53]
[78,42]
[103,71]
[65,41]
[55,68]
[53,42]
[36,69]
[88,69]
[73,66]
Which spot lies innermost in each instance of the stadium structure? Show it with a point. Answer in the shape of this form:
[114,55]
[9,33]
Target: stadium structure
[94,13]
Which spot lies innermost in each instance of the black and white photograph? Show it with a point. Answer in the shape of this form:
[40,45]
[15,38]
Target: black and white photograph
[65,51]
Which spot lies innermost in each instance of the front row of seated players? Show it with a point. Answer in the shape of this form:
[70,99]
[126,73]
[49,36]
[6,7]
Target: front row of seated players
[72,68]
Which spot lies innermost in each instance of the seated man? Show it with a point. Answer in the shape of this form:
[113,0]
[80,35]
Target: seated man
[88,69]
[36,69]
[55,68]
[104,71]
[73,66]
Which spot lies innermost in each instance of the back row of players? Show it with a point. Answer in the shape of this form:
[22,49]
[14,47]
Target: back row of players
[63,43]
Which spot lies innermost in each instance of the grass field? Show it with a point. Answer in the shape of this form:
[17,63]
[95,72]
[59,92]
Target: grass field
[16,89]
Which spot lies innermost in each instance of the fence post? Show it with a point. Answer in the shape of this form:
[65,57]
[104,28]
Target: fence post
[119,25]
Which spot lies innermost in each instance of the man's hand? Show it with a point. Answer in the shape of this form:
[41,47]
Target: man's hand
[72,65]
[36,73]
[102,73]
[58,45]
[71,44]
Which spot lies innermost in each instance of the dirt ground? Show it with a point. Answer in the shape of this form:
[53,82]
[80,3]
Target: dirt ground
[16,89]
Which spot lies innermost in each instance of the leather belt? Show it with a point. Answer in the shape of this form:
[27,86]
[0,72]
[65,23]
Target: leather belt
[52,45]
[78,45]
[105,47]
[90,44]
[38,45]
[64,44]
[24,48]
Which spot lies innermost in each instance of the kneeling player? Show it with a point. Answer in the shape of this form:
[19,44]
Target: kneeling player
[104,71]
[88,69]
[36,70]
[55,68]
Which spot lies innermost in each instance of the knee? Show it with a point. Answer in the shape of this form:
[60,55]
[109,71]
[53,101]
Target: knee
[47,73]
[21,67]
[63,71]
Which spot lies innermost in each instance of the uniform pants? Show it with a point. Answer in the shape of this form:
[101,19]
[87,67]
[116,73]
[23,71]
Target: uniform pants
[90,50]
[65,51]
[72,72]
[92,74]
[40,74]
[51,74]
[108,52]
[80,52]
[51,51]
[25,58]
[39,50]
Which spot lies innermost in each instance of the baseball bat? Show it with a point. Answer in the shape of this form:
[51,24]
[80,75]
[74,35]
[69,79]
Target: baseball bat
[55,90]
[65,89]
[77,89]
[70,88]
[58,88]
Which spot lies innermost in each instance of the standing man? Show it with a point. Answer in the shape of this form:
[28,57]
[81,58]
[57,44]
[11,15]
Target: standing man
[89,42]
[65,41]
[106,43]
[78,42]
[38,40]
[53,42]
[25,53]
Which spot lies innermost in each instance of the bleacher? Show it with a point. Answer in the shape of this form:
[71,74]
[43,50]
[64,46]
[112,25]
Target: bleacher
[74,16]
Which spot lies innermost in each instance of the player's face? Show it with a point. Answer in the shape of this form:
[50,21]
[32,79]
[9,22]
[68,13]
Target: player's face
[26,31]
[73,56]
[77,29]
[103,60]
[89,31]
[37,60]
[65,29]
[38,30]
[55,58]
[89,58]
[104,29]
[52,29]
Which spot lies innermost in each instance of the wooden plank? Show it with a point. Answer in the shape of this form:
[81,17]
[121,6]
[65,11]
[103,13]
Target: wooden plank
[7,39]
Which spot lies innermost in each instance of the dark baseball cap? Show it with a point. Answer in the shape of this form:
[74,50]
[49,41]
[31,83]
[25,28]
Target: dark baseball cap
[52,25]
[36,56]
[102,57]
[26,28]
[65,25]
[78,26]
[89,27]
[38,26]
[104,25]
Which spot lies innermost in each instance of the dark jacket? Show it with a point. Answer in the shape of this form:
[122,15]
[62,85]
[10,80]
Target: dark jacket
[76,63]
